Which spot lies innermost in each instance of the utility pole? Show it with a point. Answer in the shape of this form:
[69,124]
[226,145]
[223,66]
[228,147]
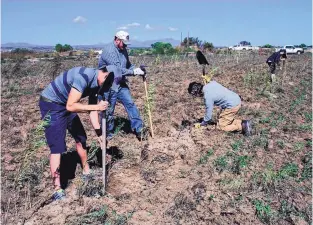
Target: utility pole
[181,38]
[188,40]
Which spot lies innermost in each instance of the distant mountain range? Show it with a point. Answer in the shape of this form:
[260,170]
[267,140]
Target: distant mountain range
[134,44]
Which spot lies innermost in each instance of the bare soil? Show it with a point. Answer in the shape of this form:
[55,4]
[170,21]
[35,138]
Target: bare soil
[182,176]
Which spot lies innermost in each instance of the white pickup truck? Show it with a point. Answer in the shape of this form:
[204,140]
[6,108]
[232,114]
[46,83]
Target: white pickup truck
[243,47]
[290,49]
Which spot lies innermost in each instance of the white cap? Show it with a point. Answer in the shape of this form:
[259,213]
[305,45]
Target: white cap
[123,35]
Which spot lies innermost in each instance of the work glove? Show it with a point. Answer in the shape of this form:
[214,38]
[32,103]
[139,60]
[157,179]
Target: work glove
[138,71]
[206,78]
[202,124]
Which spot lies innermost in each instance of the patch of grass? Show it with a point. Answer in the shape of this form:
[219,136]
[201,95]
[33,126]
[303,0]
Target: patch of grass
[260,141]
[221,163]
[92,151]
[241,162]
[299,146]
[275,122]
[307,167]
[305,127]
[102,216]
[98,216]
[308,117]
[281,144]
[269,178]
[265,120]
[31,168]
[204,158]
[297,102]
[288,170]
[232,184]
[263,211]
[236,145]
[287,209]
[308,143]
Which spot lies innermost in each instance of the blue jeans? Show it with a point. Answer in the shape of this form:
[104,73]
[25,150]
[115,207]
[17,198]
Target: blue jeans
[123,95]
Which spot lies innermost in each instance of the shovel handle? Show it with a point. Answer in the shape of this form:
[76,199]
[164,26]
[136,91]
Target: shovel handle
[149,111]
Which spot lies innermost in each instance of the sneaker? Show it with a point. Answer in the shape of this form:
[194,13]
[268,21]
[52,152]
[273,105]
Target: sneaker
[58,195]
[246,127]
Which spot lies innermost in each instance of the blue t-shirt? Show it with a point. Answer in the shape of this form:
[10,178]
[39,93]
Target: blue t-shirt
[82,79]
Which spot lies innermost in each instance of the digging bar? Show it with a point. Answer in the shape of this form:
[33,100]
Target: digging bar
[103,122]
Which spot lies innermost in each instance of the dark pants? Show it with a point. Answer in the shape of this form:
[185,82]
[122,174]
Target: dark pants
[272,66]
[124,96]
[58,121]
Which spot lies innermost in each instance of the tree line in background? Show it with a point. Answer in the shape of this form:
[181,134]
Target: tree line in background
[63,48]
[190,44]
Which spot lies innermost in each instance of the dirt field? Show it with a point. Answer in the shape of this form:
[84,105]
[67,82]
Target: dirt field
[183,175]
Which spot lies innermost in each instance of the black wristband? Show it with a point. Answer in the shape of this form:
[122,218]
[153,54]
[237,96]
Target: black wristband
[98,132]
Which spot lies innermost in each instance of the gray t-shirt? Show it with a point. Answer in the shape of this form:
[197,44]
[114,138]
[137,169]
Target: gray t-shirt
[216,94]
[82,79]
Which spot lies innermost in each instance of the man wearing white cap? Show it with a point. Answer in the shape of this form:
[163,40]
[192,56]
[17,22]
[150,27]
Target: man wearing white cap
[115,54]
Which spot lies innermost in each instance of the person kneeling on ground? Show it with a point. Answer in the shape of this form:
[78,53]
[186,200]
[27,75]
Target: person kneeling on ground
[59,104]
[230,102]
[274,60]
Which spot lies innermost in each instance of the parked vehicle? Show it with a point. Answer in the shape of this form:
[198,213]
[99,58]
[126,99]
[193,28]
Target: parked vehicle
[243,47]
[291,49]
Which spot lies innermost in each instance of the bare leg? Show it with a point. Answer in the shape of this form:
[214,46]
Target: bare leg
[83,157]
[55,160]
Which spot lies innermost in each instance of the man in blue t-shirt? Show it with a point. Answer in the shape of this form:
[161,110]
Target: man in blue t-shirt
[115,54]
[59,104]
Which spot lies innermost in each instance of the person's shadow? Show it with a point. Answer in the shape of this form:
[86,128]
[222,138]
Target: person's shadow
[69,161]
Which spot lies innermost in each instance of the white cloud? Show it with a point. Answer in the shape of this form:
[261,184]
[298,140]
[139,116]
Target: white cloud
[80,19]
[128,26]
[172,29]
[122,28]
[133,24]
[148,27]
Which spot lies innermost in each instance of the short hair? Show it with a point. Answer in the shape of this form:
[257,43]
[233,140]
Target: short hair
[195,89]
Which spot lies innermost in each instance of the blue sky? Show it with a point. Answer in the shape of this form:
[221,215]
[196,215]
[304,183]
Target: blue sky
[222,22]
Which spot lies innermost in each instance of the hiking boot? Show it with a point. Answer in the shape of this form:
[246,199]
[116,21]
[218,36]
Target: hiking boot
[246,127]
[58,195]
[142,135]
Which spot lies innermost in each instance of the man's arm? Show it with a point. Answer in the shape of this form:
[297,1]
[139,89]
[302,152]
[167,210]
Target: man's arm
[94,118]
[209,105]
[73,104]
